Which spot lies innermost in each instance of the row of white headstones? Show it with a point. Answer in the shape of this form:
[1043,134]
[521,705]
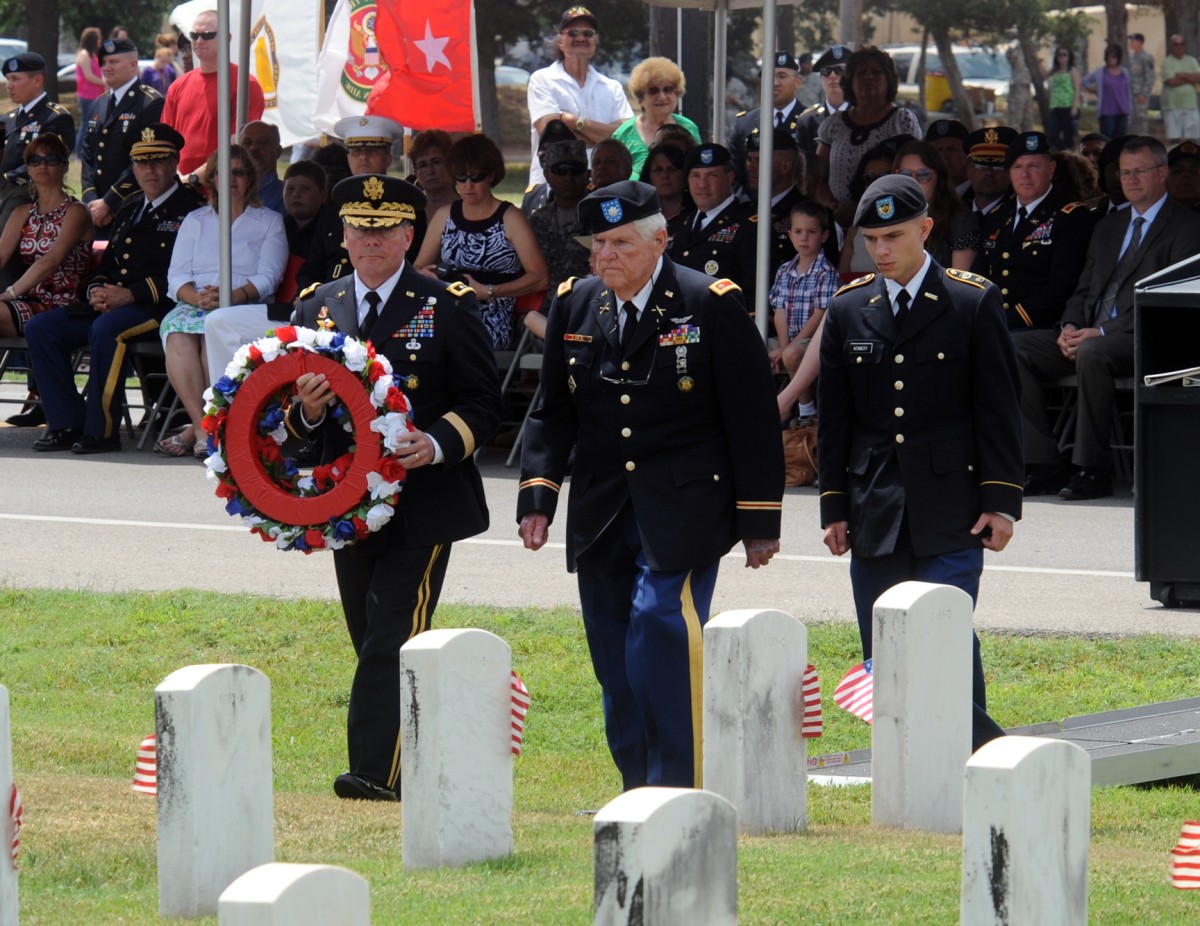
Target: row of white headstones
[668,855]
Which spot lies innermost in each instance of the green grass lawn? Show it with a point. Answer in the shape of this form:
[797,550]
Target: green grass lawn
[81,670]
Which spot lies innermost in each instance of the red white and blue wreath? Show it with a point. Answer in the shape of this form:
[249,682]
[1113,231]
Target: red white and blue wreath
[340,502]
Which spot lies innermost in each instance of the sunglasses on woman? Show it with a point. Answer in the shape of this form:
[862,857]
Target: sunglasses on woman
[921,175]
[474,178]
[50,160]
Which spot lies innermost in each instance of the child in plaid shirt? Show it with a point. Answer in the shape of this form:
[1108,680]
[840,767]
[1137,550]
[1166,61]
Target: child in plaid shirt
[802,289]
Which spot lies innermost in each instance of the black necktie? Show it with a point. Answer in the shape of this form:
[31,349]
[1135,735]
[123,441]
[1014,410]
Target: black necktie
[902,300]
[373,301]
[631,321]
[1022,215]
[111,107]
[779,120]
[698,225]
[1124,267]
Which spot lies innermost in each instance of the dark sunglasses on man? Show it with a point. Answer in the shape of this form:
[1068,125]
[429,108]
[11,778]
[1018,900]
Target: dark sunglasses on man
[567,170]
[203,36]
[837,69]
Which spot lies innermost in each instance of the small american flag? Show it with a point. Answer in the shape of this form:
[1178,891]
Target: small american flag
[813,724]
[145,778]
[854,691]
[1185,858]
[520,707]
[17,813]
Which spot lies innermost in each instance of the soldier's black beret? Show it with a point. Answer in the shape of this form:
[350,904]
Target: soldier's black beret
[709,155]
[1027,143]
[27,62]
[115,47]
[617,204]
[890,200]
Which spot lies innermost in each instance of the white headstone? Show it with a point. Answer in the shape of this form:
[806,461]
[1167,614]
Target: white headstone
[8,874]
[456,748]
[1026,825]
[921,731]
[754,753]
[278,894]
[215,818]
[666,857]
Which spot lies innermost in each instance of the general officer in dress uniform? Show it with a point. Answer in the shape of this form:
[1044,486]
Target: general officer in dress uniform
[920,433]
[785,112]
[720,236]
[660,379]
[1034,246]
[442,357]
[126,300]
[106,171]
[25,75]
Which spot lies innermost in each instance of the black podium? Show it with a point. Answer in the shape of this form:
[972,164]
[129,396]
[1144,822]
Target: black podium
[1167,436]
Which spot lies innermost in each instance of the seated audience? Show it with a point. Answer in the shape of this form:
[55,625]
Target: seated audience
[126,299]
[1183,175]
[1076,177]
[611,163]
[259,257]
[1090,147]
[948,136]
[556,223]
[658,85]
[261,141]
[431,171]
[483,240]
[954,240]
[303,198]
[538,193]
[663,170]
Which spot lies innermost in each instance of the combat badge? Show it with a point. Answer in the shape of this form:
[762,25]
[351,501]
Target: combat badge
[324,322]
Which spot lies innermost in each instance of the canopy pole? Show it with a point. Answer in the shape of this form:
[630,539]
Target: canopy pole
[224,221]
[766,148]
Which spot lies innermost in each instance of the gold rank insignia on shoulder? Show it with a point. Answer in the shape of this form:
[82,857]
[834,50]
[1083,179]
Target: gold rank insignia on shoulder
[861,281]
[308,290]
[721,287]
[458,288]
[754,218]
[964,276]
[582,338]
[566,286]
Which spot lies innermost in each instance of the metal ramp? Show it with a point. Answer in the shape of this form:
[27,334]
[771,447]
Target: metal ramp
[1135,745]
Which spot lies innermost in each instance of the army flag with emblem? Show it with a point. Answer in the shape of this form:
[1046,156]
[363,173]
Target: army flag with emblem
[428,48]
[349,65]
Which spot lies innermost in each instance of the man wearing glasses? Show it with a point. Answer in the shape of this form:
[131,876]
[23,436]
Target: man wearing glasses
[831,66]
[1094,342]
[590,104]
[1180,75]
[191,106]
[785,113]
[987,177]
[658,378]
[442,355]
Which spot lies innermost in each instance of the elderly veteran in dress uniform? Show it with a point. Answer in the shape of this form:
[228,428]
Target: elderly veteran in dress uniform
[126,300]
[720,236]
[25,75]
[106,172]
[369,141]
[785,112]
[920,433]
[432,333]
[660,380]
[1034,246]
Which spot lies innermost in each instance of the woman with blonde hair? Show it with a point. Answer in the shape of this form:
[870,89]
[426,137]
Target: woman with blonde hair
[658,85]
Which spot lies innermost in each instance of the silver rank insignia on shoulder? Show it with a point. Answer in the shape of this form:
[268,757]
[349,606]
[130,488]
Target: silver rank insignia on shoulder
[571,383]
[413,345]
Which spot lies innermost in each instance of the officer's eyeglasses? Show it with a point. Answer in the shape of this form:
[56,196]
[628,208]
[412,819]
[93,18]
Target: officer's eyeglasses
[203,36]
[474,178]
[1138,172]
[837,69]
[581,33]
[921,175]
[986,165]
[50,160]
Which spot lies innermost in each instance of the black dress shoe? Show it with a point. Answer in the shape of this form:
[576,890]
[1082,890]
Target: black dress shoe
[62,439]
[1086,484]
[1045,482]
[35,417]
[356,788]
[87,444]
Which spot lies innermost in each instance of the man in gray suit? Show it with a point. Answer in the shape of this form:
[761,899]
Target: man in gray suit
[1095,339]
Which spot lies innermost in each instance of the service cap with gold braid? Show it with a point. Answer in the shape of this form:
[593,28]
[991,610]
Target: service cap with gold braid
[377,201]
[368,131]
[154,142]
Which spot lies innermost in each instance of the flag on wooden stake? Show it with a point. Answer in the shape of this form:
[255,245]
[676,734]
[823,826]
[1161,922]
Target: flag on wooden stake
[1185,858]
[520,707]
[145,777]
[854,692]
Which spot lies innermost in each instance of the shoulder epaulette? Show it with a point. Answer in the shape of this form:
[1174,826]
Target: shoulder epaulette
[721,287]
[566,286]
[458,288]
[812,109]
[965,276]
[742,113]
[309,290]
[1071,207]
[861,281]
[58,108]
[150,91]
[754,217]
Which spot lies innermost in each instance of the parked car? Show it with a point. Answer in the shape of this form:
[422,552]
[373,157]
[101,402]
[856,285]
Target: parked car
[986,76]
[509,76]
[10,47]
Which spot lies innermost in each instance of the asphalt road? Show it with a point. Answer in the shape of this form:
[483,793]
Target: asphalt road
[138,520]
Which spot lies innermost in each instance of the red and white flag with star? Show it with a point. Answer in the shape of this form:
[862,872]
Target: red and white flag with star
[429,83]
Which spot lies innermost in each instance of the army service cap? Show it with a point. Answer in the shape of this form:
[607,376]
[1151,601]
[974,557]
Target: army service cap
[1027,143]
[377,201]
[115,47]
[368,131]
[155,142]
[28,62]
[1185,150]
[617,204]
[890,200]
[781,140]
[989,144]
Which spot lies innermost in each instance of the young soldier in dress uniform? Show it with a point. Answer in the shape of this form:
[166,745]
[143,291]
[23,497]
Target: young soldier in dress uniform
[920,431]
[660,379]
[720,237]
[390,582]
[785,113]
[126,299]
[1034,246]
[106,172]
[831,66]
